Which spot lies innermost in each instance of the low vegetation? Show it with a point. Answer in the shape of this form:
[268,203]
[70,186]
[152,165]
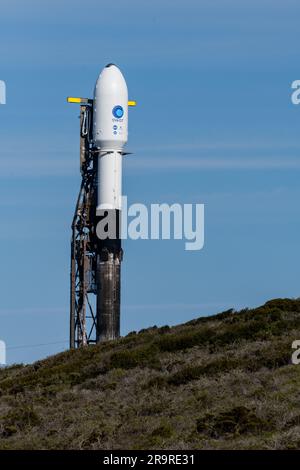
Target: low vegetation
[220,382]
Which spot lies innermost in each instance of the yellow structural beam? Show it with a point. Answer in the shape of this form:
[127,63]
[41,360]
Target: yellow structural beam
[73,99]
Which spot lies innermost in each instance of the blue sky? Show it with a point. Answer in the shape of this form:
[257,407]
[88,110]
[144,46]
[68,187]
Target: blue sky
[214,124]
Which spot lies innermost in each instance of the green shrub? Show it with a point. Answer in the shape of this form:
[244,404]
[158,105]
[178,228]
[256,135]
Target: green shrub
[272,358]
[153,408]
[158,381]
[237,420]
[159,435]
[180,341]
[163,431]
[138,357]
[18,419]
[190,373]
[286,305]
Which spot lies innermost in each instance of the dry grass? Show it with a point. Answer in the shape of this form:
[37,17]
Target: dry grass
[224,382]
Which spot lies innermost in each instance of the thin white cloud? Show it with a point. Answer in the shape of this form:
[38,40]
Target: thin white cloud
[68,167]
[212,163]
[181,156]
[174,306]
[253,144]
[38,167]
[129,307]
[33,311]
[141,19]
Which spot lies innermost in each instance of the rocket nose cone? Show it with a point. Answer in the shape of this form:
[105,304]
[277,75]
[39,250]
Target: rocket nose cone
[111,79]
[110,109]
[110,70]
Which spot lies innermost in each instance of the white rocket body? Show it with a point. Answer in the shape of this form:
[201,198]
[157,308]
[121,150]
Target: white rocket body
[110,132]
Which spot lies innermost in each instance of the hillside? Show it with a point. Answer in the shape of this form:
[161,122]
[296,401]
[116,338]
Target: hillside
[222,382]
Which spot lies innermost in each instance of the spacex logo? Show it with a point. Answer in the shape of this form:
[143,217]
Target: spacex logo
[2,92]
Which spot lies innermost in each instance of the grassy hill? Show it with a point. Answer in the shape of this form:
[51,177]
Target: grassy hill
[222,382]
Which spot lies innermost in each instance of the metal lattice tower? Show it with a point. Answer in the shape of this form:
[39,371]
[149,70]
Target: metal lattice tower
[83,324]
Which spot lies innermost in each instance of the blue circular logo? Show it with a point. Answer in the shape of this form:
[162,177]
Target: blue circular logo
[118,111]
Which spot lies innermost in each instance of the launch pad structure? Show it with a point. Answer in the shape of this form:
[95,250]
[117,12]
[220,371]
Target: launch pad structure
[83,310]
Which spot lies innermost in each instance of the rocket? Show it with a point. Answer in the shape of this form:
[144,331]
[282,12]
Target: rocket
[110,132]
[96,251]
